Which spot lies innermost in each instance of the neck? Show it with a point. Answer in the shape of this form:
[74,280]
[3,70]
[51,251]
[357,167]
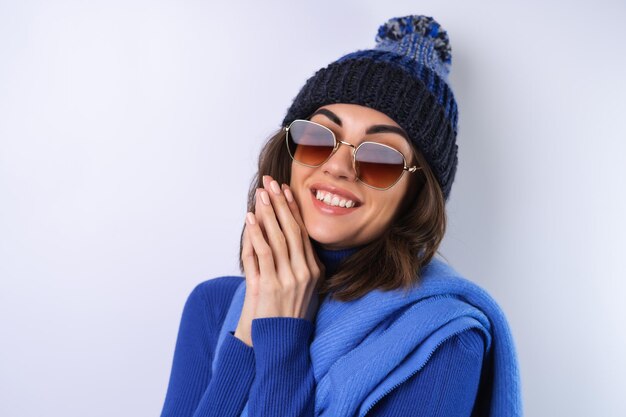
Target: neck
[332,258]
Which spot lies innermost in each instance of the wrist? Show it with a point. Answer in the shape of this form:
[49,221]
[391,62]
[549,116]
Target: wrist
[243,336]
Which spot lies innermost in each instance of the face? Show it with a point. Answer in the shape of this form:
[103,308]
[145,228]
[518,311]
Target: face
[374,210]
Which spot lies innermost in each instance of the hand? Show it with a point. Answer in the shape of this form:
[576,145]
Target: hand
[282,270]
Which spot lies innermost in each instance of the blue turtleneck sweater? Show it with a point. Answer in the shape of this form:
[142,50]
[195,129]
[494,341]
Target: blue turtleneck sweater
[275,375]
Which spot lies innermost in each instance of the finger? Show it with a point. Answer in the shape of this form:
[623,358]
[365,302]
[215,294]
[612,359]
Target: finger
[293,205]
[273,233]
[262,250]
[248,257]
[289,226]
[257,214]
[315,265]
[289,260]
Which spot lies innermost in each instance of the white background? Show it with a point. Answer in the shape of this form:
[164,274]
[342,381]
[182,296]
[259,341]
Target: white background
[129,132]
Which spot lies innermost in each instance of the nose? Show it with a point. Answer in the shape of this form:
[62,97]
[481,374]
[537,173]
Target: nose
[340,164]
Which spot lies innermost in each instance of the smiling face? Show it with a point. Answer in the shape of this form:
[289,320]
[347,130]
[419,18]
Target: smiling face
[336,227]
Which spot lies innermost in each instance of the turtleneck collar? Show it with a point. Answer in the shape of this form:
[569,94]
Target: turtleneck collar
[332,258]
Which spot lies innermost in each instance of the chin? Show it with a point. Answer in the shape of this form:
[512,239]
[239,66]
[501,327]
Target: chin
[322,236]
[329,238]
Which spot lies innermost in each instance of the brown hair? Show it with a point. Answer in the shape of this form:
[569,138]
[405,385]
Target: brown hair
[390,262]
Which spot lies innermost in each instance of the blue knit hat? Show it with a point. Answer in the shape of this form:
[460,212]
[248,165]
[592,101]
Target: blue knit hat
[405,76]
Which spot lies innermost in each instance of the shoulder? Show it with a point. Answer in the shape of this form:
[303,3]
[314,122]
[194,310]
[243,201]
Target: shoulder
[215,287]
[441,279]
[438,277]
[214,296]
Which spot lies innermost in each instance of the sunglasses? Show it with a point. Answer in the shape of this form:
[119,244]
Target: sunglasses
[376,165]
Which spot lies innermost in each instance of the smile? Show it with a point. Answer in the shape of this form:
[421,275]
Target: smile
[333,199]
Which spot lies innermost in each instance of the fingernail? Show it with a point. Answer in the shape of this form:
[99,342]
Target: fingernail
[288,195]
[250,218]
[274,186]
[265,198]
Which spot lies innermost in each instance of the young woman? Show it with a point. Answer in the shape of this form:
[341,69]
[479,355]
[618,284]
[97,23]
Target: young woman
[344,310]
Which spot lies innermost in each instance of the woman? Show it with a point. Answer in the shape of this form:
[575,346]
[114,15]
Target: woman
[344,310]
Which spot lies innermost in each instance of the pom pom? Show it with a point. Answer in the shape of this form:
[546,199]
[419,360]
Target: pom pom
[398,27]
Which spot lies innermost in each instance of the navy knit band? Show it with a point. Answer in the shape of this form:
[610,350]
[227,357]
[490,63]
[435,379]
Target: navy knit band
[405,77]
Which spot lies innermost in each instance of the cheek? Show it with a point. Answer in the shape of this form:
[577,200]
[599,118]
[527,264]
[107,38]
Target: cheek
[294,179]
[296,182]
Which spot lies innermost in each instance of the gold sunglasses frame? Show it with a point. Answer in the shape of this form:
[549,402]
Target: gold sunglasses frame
[354,151]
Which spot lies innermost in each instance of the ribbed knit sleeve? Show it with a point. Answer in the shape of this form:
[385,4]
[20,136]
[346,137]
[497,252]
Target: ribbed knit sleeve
[284,384]
[193,390]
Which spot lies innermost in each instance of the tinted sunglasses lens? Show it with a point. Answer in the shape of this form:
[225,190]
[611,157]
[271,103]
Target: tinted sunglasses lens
[379,165]
[310,143]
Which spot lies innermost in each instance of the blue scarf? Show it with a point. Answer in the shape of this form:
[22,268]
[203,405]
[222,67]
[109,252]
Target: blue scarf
[398,332]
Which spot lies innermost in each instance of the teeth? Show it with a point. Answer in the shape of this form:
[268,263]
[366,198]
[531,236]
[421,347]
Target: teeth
[333,200]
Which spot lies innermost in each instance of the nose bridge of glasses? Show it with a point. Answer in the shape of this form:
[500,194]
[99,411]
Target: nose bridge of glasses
[351,152]
[349,145]
[343,142]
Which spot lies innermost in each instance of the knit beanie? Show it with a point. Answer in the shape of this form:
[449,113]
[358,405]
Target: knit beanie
[404,76]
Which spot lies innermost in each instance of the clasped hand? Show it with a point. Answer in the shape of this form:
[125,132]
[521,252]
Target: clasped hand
[281,268]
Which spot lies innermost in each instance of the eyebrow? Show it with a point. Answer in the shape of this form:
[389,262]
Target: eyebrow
[372,129]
